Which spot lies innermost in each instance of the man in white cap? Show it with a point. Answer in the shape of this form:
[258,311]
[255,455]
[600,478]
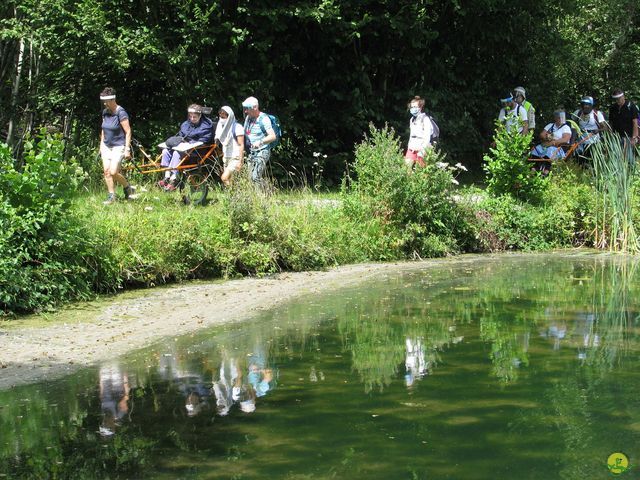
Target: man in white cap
[623,117]
[521,99]
[259,129]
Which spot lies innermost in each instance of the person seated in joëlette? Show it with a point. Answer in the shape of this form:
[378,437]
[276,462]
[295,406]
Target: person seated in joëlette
[553,137]
[197,128]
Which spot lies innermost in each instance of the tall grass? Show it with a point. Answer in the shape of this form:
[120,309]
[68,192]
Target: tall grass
[614,170]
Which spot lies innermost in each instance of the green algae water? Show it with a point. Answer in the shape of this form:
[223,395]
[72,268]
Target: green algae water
[522,367]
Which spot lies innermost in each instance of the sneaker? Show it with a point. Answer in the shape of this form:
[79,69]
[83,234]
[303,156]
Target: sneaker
[128,191]
[163,183]
[170,187]
[111,198]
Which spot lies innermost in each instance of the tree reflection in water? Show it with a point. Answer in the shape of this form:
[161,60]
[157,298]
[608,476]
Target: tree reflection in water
[571,320]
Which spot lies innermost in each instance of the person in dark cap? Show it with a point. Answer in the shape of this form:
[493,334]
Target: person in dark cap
[623,117]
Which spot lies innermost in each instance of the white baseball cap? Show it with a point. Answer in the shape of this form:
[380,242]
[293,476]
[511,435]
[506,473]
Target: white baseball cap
[250,102]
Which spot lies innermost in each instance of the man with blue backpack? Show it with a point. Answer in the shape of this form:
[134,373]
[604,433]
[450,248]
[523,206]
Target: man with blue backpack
[261,133]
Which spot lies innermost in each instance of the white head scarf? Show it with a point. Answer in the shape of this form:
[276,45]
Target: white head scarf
[227,131]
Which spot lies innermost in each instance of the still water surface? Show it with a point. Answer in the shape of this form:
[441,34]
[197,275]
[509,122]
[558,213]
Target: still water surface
[514,367]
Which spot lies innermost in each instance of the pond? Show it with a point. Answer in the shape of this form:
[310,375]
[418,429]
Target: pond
[510,367]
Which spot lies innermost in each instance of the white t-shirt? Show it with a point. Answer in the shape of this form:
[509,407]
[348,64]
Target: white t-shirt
[588,121]
[421,131]
[511,117]
[230,147]
[558,132]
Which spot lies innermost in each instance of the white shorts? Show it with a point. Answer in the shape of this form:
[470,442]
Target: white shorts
[111,154]
[232,163]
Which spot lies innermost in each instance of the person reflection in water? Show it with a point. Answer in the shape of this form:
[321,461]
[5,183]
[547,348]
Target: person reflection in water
[227,388]
[193,388]
[196,393]
[247,399]
[557,331]
[114,398]
[260,378]
[233,387]
[585,326]
[415,364]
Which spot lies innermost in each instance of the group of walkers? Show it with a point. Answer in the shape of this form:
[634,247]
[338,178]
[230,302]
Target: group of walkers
[518,115]
[253,140]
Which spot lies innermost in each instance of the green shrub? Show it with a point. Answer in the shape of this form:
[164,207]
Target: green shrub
[571,194]
[508,172]
[416,206]
[47,255]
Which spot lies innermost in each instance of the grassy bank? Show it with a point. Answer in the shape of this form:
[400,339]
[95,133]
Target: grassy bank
[60,243]
[156,239]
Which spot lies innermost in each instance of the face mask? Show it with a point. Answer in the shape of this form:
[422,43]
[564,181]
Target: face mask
[223,121]
[414,111]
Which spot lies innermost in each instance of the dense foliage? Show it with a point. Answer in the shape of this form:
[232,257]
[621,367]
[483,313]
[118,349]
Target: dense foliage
[47,255]
[327,68]
[60,243]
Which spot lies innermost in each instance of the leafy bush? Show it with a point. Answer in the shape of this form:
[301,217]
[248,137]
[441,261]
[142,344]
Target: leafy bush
[416,205]
[507,170]
[564,217]
[47,255]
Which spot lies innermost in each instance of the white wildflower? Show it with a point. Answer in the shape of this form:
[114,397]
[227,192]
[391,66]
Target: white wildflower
[316,154]
[442,164]
[455,182]
[459,166]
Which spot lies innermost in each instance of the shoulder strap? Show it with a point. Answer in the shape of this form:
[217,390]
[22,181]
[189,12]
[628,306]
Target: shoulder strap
[259,120]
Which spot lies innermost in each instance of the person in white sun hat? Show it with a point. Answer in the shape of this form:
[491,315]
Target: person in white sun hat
[520,95]
[115,144]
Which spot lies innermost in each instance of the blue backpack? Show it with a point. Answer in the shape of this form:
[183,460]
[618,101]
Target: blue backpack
[275,124]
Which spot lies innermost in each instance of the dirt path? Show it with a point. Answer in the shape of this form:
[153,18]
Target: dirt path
[29,354]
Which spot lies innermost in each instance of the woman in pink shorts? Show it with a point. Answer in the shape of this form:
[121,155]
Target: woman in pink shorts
[420,136]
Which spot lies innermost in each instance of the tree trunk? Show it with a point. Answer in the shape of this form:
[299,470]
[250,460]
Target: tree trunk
[13,116]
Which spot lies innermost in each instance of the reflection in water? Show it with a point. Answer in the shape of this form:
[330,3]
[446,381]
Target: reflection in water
[519,366]
[227,387]
[235,382]
[114,398]
[415,364]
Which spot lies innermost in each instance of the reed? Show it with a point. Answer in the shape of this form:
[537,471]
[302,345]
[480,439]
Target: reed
[614,171]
